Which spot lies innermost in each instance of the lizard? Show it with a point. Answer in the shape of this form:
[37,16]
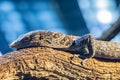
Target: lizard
[85,46]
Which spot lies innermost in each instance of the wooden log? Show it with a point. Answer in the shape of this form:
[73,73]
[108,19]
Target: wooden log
[46,63]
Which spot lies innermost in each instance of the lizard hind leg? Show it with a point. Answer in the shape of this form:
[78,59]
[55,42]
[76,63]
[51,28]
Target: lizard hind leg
[86,46]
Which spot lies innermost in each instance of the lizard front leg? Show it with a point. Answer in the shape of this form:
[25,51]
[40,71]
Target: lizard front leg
[85,46]
[88,47]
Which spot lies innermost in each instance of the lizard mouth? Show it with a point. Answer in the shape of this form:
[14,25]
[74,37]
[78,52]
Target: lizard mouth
[13,44]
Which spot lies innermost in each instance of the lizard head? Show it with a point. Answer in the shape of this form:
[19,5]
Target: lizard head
[25,40]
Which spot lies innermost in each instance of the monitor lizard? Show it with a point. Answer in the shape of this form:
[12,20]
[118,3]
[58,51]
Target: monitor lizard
[85,46]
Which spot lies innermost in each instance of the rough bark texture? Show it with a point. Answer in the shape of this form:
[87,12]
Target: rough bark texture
[45,63]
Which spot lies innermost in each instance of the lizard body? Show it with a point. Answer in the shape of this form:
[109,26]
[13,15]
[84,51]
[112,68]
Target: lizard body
[108,50]
[85,46]
[43,38]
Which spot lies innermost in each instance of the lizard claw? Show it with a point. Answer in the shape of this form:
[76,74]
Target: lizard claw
[83,61]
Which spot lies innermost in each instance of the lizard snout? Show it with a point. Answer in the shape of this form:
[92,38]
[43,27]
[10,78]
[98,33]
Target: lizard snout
[13,44]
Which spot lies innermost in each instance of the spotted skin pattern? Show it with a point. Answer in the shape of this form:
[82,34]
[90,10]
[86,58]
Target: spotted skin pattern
[85,46]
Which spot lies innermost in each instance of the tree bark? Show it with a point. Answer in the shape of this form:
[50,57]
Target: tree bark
[45,63]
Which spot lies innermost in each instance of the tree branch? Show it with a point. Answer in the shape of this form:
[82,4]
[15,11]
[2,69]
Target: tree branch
[111,32]
[47,63]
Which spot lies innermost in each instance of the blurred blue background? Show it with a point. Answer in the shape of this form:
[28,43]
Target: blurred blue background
[74,17]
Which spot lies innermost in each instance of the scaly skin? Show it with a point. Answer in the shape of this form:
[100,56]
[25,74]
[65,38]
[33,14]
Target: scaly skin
[100,49]
[85,46]
[43,38]
[108,50]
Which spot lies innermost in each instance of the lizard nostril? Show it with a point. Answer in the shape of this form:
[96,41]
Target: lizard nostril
[11,45]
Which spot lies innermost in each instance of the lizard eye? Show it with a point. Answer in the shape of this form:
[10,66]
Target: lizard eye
[25,39]
[41,37]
